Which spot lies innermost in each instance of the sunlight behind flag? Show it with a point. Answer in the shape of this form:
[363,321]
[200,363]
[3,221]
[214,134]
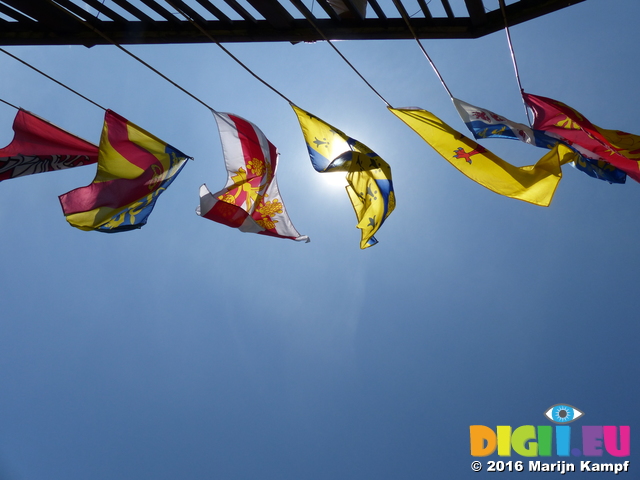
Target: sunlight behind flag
[370,187]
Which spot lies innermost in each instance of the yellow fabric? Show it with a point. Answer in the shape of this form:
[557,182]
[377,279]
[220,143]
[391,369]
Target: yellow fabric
[534,183]
[370,188]
[117,166]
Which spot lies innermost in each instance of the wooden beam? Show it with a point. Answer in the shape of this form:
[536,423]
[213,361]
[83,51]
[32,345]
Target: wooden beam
[240,10]
[100,7]
[219,14]
[160,10]
[329,11]
[57,27]
[273,12]
[425,9]
[447,8]
[133,10]
[476,11]
[376,8]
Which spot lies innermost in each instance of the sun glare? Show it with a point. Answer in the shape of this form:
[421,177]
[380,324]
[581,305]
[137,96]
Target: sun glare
[335,179]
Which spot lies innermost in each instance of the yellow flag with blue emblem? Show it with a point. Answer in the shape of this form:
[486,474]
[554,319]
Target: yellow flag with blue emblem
[533,183]
[370,188]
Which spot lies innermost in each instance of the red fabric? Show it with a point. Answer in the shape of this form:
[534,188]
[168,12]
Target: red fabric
[571,126]
[39,146]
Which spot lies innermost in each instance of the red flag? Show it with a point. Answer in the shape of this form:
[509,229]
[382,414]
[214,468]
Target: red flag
[620,149]
[39,146]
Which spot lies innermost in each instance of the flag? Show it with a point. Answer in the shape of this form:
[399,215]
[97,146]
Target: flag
[484,123]
[39,146]
[134,168]
[614,147]
[534,183]
[370,188]
[250,201]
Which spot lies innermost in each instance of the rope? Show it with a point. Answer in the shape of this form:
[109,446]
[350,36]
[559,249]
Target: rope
[98,32]
[237,60]
[51,78]
[10,104]
[513,57]
[307,15]
[405,17]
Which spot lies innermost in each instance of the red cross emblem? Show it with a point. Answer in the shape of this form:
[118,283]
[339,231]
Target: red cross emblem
[460,153]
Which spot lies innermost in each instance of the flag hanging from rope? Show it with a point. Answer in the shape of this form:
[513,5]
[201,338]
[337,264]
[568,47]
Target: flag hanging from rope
[250,200]
[39,146]
[534,183]
[134,168]
[620,149]
[370,187]
[484,123]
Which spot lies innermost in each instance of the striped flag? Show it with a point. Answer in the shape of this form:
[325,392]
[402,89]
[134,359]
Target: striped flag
[134,168]
[250,200]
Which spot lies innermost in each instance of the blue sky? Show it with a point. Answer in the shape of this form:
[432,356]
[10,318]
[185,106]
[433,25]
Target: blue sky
[191,350]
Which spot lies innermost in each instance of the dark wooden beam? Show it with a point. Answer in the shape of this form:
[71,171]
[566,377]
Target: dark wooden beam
[376,8]
[476,11]
[219,14]
[240,10]
[160,10]
[100,7]
[43,12]
[56,27]
[425,9]
[133,10]
[273,12]
[328,10]
[447,8]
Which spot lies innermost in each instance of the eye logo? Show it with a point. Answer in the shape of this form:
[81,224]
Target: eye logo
[563,413]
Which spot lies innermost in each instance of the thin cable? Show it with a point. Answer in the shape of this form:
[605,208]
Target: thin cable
[53,79]
[306,14]
[513,58]
[415,36]
[10,104]
[88,25]
[237,60]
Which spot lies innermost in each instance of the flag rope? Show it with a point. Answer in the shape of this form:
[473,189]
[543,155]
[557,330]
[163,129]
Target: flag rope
[405,17]
[236,59]
[513,57]
[51,78]
[10,104]
[98,32]
[308,16]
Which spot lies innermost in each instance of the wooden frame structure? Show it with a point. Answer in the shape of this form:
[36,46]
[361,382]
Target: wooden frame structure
[44,22]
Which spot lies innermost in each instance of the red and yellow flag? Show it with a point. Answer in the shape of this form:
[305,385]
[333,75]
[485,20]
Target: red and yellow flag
[620,149]
[134,168]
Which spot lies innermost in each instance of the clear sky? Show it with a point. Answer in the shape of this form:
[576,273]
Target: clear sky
[190,350]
